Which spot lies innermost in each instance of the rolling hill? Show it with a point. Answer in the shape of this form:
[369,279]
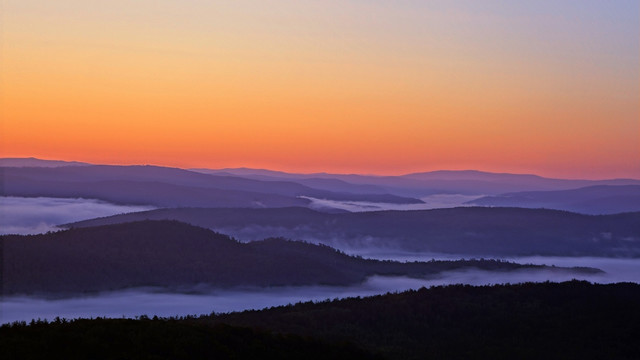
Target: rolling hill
[176,256]
[476,231]
[569,321]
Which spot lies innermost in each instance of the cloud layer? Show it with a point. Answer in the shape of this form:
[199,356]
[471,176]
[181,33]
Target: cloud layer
[437,201]
[204,300]
[20,215]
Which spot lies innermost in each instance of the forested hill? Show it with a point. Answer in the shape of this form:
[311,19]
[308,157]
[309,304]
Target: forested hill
[566,321]
[475,231]
[178,255]
[145,339]
[572,320]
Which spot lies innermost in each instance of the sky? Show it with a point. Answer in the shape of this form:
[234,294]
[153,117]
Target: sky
[351,86]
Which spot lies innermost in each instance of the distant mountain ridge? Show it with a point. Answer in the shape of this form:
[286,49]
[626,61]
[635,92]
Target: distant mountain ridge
[434,182]
[596,200]
[35,162]
[176,255]
[259,188]
[167,187]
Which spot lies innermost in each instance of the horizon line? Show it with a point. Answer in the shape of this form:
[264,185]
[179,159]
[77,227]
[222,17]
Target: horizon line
[314,173]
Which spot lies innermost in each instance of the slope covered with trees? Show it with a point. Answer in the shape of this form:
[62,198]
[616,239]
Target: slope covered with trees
[474,231]
[177,255]
[572,320]
[160,339]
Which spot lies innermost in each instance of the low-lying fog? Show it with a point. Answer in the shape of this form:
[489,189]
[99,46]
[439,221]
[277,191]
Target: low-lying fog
[36,215]
[133,302]
[23,215]
[616,269]
[438,201]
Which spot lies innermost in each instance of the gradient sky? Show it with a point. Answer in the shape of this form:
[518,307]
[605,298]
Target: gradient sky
[367,86]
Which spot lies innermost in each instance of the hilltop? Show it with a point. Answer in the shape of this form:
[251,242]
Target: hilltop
[178,256]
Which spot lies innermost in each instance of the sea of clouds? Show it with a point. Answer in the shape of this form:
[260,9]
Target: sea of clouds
[23,215]
[203,300]
[37,215]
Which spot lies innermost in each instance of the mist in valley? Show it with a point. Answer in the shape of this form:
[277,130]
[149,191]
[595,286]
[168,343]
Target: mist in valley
[37,215]
[437,201]
[204,300]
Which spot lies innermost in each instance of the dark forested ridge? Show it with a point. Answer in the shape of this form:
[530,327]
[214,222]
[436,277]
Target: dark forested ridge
[161,339]
[473,230]
[174,254]
[571,320]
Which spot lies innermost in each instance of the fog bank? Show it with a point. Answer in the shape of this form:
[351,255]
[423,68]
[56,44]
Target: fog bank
[23,215]
[438,201]
[616,269]
[203,300]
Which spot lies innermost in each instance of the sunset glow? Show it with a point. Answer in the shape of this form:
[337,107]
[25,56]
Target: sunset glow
[546,87]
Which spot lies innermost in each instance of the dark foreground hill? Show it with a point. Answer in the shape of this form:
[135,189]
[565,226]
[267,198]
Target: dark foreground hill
[177,255]
[161,339]
[572,320]
[473,231]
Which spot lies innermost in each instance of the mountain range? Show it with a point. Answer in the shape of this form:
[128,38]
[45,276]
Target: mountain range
[435,182]
[599,199]
[173,187]
[167,187]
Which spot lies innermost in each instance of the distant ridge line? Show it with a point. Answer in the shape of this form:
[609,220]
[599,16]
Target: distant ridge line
[39,162]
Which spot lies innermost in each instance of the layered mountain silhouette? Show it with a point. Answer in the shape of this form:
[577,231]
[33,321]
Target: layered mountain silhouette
[176,255]
[35,162]
[410,185]
[471,230]
[167,187]
[435,182]
[601,199]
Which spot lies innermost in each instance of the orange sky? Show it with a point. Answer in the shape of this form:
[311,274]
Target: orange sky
[350,86]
